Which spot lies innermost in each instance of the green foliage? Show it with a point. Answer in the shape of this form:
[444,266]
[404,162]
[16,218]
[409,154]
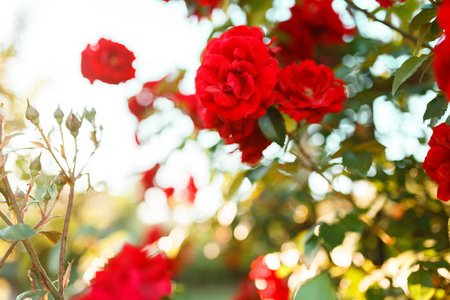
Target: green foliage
[32,295]
[319,287]
[273,127]
[436,109]
[16,232]
[407,69]
[421,285]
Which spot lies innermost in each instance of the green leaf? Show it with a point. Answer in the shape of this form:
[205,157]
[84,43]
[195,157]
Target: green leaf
[312,246]
[319,287]
[258,172]
[273,127]
[32,295]
[407,69]
[236,183]
[52,235]
[436,108]
[351,222]
[333,235]
[16,232]
[420,285]
[358,163]
[425,16]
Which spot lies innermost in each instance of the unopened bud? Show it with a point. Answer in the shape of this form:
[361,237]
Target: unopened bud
[35,166]
[32,114]
[60,181]
[19,194]
[90,114]
[59,115]
[46,195]
[73,124]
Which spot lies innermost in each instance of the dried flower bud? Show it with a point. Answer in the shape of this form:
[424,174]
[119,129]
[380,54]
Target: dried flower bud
[32,114]
[60,181]
[59,115]
[73,124]
[19,194]
[35,166]
[47,196]
[90,114]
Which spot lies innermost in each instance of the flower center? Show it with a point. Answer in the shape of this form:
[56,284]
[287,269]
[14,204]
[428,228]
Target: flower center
[308,92]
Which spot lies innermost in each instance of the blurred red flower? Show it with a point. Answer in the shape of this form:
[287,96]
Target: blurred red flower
[270,286]
[312,22]
[309,91]
[441,66]
[107,61]
[437,161]
[443,15]
[148,177]
[237,75]
[132,274]
[246,291]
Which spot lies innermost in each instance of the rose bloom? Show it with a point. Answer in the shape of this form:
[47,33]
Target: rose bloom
[132,274]
[272,287]
[312,22]
[441,66]
[443,15]
[237,75]
[437,161]
[309,91]
[148,177]
[246,291]
[107,61]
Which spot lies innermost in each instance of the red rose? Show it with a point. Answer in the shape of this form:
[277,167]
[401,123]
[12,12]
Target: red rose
[148,177]
[237,75]
[132,274]
[191,190]
[441,66]
[253,145]
[107,61]
[309,91]
[246,291]
[443,15]
[437,161]
[312,22]
[271,286]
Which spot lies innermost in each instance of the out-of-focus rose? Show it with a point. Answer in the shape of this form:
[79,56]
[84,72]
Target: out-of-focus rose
[312,22]
[132,274]
[148,177]
[309,91]
[246,291]
[437,161]
[237,75]
[441,66]
[107,61]
[271,286]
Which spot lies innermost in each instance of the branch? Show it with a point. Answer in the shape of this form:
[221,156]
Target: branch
[405,34]
[7,253]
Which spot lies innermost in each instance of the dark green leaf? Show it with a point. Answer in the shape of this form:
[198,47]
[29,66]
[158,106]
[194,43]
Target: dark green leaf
[32,295]
[273,127]
[420,285]
[312,246]
[425,16]
[351,222]
[436,108]
[319,287]
[16,232]
[407,69]
[236,182]
[332,235]
[358,163]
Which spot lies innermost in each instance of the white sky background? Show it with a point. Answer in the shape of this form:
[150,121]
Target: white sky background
[49,53]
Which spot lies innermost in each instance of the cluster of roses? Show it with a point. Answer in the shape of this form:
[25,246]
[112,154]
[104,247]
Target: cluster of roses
[437,161]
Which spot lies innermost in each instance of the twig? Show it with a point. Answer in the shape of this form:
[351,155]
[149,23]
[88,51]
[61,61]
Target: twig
[64,237]
[50,149]
[7,253]
[388,24]
[5,219]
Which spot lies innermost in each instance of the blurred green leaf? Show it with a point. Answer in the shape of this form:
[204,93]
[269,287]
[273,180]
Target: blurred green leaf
[319,287]
[52,235]
[358,163]
[312,246]
[436,108]
[236,182]
[407,69]
[420,285]
[351,222]
[273,127]
[258,172]
[16,232]
[32,295]
[425,16]
[333,235]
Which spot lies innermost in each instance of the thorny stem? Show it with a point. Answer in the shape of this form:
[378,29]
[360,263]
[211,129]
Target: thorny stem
[8,193]
[63,149]
[405,34]
[64,236]
[47,213]
[25,197]
[7,253]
